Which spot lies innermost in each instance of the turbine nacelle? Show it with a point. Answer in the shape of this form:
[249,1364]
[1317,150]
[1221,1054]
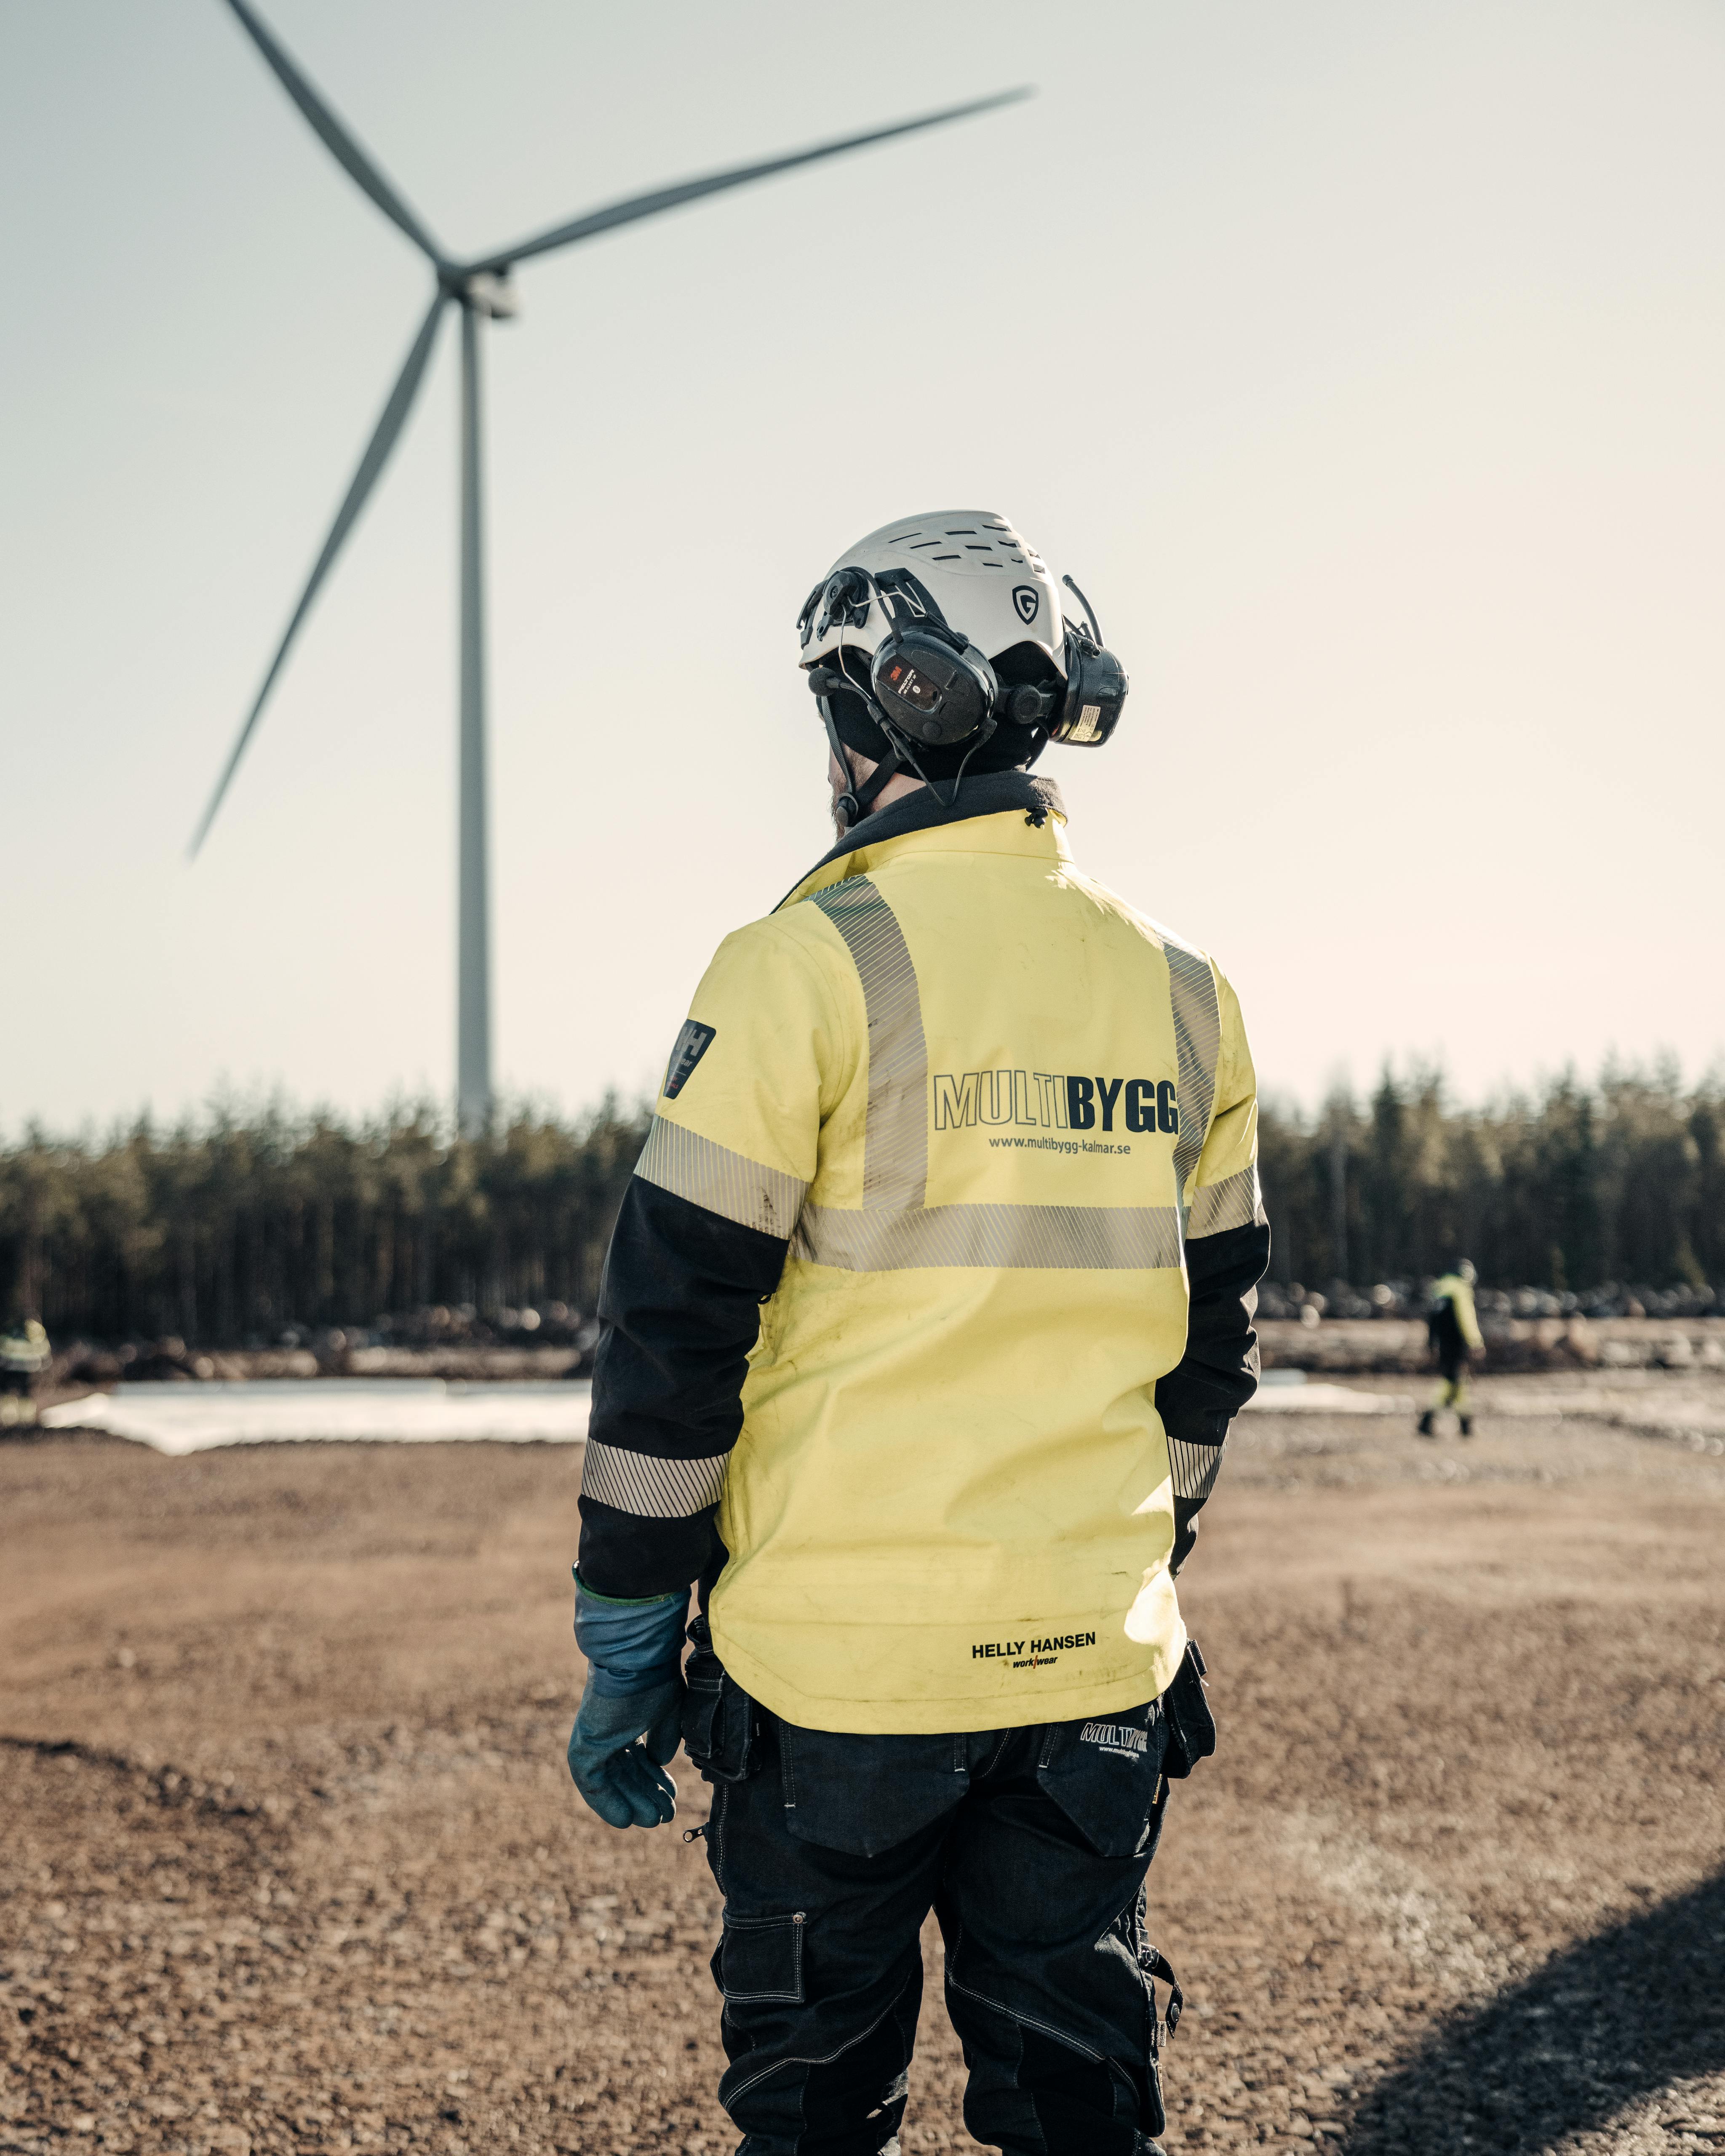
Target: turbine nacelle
[487,291]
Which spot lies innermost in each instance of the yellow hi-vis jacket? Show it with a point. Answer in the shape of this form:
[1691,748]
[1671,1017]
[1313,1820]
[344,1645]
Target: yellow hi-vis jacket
[1458,1294]
[983,1107]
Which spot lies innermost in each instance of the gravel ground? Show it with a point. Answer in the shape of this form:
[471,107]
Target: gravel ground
[292,1863]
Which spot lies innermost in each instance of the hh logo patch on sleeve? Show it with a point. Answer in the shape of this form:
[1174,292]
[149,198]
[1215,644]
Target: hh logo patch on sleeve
[693,1043]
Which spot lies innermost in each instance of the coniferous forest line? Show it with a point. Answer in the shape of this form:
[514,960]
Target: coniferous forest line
[260,1227]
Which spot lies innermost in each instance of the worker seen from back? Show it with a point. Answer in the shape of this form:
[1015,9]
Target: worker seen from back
[1454,1330]
[927,1311]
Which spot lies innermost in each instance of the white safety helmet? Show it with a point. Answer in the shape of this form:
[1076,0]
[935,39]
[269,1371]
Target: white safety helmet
[989,583]
[939,644]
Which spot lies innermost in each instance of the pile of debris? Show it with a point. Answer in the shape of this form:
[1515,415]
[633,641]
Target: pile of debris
[1291,1303]
[440,1341]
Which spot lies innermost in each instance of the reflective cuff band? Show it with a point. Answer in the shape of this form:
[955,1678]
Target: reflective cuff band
[719,1181]
[651,1488]
[1235,1202]
[1195,1469]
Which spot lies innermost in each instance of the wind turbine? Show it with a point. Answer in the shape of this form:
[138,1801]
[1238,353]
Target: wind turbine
[482,291]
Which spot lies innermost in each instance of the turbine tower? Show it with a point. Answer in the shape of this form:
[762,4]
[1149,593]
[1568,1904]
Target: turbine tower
[483,289]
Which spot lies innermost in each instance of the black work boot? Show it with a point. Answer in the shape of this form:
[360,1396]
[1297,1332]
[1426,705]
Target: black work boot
[1428,1423]
[1467,1425]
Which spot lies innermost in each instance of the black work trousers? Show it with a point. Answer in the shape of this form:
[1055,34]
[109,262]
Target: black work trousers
[1031,1847]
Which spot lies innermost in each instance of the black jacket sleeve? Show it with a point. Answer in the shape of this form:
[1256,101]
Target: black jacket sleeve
[1219,1372]
[680,1309]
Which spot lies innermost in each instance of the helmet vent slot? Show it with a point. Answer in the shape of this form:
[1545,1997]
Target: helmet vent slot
[993,545]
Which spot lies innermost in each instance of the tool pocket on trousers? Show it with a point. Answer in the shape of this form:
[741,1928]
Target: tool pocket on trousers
[863,1794]
[760,1959]
[718,1715]
[1105,1774]
[1191,1726]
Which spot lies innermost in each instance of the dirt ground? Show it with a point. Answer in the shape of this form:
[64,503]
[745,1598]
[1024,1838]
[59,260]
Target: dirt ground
[291,1863]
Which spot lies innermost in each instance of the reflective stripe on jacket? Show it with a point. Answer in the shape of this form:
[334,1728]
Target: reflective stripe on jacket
[968,1115]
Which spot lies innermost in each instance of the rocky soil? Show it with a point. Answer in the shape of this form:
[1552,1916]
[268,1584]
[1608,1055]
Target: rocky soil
[291,1862]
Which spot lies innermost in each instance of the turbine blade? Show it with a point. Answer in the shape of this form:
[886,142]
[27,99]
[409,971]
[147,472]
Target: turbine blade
[337,139]
[370,465]
[662,198]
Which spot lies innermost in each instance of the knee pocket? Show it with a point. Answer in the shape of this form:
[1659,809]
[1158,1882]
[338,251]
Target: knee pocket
[1079,2101]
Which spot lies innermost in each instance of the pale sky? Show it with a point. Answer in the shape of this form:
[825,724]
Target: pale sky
[1363,363]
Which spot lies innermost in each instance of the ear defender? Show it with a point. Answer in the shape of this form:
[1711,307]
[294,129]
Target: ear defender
[934,686]
[1095,689]
[1096,685]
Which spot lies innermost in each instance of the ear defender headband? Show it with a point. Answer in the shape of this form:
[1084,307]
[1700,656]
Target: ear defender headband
[932,684]
[926,681]
[929,684]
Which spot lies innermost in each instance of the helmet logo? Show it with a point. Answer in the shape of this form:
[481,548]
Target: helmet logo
[1026,598]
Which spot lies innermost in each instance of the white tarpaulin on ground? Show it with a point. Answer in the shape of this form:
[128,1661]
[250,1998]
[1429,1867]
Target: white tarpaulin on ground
[182,1418]
[191,1418]
[1286,1394]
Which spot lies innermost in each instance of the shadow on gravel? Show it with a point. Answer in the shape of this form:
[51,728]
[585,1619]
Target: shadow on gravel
[1605,2025]
[125,1784]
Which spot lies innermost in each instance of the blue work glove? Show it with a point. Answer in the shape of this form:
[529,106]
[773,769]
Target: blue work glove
[618,1749]
[630,1720]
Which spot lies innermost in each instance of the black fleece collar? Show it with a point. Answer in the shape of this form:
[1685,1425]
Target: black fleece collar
[989,793]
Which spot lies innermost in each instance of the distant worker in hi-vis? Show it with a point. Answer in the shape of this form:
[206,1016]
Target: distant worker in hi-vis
[24,1356]
[1454,1330]
[926,1314]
